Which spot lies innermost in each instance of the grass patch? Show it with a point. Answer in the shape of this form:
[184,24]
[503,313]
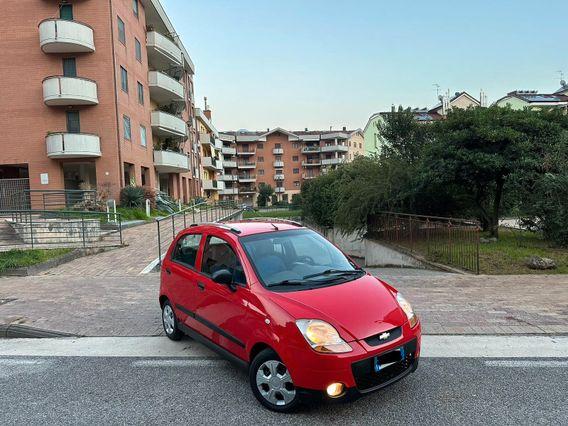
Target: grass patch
[509,254]
[282,214]
[132,213]
[23,258]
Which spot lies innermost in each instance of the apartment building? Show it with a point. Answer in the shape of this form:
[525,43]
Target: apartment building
[211,160]
[282,159]
[96,95]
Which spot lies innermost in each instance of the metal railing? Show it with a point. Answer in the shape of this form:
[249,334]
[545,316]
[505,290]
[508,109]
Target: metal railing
[49,199]
[169,226]
[29,229]
[449,241]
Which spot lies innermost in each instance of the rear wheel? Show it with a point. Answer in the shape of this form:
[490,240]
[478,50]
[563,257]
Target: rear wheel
[271,382]
[169,321]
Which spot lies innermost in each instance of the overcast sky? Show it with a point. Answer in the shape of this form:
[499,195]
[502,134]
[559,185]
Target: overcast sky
[322,63]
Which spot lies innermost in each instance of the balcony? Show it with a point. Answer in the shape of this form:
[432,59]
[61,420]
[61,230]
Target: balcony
[72,145]
[278,164]
[246,165]
[62,36]
[167,125]
[247,190]
[163,53]
[311,163]
[334,148]
[247,151]
[164,89]
[309,176]
[206,139]
[310,149]
[171,162]
[279,189]
[278,177]
[212,185]
[211,163]
[66,91]
[218,143]
[228,150]
[278,151]
[247,178]
[332,161]
[229,191]
[228,178]
[229,164]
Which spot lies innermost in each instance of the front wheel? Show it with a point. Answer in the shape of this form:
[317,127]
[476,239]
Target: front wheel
[271,382]
[169,321]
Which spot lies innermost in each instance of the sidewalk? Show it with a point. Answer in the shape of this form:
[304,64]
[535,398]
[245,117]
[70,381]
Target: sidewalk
[112,305]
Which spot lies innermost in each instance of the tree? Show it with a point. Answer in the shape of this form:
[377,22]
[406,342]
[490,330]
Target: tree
[265,191]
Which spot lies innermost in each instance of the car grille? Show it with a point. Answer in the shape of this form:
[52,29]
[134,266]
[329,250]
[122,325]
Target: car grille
[375,340]
[367,379]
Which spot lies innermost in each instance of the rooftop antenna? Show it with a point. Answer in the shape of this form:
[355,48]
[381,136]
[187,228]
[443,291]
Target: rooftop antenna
[437,86]
[562,81]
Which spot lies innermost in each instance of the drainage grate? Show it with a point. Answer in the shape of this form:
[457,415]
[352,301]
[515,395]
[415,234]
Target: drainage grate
[4,301]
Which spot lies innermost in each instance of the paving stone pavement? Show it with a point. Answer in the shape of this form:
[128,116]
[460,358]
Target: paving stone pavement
[103,305]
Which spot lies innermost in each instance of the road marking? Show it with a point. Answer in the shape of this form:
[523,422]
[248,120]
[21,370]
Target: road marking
[150,267]
[11,362]
[180,363]
[527,364]
[433,346]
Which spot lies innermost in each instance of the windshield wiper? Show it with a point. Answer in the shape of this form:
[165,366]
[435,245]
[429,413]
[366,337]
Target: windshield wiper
[334,272]
[287,282]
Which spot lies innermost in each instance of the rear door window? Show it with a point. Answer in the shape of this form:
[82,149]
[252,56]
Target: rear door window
[186,250]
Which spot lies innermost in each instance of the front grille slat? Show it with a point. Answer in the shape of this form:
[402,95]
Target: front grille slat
[366,378]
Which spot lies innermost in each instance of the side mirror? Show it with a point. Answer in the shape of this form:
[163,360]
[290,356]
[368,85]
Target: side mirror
[225,277]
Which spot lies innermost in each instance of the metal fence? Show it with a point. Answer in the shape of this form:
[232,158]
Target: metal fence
[45,229]
[169,226]
[12,193]
[444,240]
[47,199]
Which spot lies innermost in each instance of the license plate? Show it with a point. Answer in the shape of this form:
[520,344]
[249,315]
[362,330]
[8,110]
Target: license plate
[383,361]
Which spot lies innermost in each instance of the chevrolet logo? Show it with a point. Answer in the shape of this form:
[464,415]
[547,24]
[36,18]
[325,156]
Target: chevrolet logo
[384,336]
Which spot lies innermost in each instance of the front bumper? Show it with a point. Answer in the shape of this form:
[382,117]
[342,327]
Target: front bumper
[315,371]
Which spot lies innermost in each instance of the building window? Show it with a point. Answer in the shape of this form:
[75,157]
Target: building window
[143,136]
[129,178]
[138,50]
[73,122]
[140,94]
[277,145]
[295,158]
[66,12]
[259,146]
[127,129]
[69,67]
[121,31]
[360,145]
[295,145]
[135,8]
[145,174]
[261,172]
[260,159]
[296,171]
[124,79]
[296,184]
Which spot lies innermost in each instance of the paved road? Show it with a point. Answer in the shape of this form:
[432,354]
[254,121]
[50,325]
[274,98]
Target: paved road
[206,390]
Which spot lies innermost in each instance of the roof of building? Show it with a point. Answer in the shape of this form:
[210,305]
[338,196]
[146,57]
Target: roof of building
[253,136]
[533,97]
[454,98]
[206,122]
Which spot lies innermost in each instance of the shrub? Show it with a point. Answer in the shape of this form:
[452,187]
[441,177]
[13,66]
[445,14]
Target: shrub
[132,196]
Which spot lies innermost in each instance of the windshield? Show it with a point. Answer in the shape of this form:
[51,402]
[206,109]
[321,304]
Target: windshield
[297,258]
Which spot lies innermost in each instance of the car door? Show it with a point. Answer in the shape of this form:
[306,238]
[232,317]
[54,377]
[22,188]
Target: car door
[222,311]
[181,268]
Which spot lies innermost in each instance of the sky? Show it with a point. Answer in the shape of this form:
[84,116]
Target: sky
[322,63]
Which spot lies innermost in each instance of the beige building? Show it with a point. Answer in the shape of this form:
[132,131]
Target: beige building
[211,160]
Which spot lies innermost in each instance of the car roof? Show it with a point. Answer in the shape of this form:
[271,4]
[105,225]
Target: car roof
[247,227]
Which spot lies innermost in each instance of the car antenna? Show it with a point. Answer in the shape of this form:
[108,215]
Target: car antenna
[274,226]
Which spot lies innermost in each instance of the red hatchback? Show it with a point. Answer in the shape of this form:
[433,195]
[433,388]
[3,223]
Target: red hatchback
[283,301]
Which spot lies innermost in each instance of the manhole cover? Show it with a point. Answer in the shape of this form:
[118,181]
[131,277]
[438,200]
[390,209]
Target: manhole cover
[4,301]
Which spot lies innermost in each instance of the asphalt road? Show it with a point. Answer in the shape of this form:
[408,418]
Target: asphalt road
[207,390]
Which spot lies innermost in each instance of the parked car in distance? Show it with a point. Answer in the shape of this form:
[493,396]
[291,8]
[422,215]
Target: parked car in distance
[282,301]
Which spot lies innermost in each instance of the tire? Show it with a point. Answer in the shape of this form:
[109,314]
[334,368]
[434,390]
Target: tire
[278,394]
[169,322]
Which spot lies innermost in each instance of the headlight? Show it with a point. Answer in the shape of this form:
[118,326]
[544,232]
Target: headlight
[322,336]
[407,308]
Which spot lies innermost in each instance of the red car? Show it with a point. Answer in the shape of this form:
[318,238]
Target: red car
[283,301]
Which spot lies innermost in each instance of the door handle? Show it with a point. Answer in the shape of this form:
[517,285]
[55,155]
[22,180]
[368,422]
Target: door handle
[201,286]
[168,271]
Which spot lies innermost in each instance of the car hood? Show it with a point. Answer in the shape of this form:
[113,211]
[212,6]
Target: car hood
[358,309]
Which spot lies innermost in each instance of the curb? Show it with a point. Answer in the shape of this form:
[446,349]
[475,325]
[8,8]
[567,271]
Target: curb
[18,331]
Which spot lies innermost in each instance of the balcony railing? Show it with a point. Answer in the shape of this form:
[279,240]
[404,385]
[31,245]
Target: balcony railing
[247,178]
[228,150]
[229,191]
[249,151]
[164,124]
[164,89]
[63,36]
[73,145]
[278,164]
[211,163]
[279,189]
[211,185]
[65,91]
[311,163]
[229,164]
[163,53]
[228,178]
[278,151]
[310,149]
[334,148]
[171,162]
[247,190]
[246,165]
[309,176]
[278,177]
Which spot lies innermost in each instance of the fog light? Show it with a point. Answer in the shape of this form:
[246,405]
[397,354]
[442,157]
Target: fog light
[334,390]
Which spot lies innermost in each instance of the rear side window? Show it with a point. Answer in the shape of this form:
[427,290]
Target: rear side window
[218,255]
[186,250]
